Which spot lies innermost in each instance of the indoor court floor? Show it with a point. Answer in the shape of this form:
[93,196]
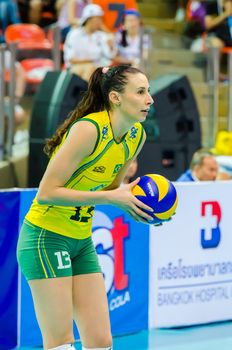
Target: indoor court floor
[217,336]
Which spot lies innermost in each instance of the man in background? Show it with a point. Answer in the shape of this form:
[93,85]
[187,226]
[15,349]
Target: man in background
[203,167]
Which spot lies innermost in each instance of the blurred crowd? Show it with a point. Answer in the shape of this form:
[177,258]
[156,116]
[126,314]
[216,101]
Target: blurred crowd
[97,33]
[92,33]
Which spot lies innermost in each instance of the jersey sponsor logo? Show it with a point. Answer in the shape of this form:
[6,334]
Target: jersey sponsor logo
[211,217]
[117,168]
[99,169]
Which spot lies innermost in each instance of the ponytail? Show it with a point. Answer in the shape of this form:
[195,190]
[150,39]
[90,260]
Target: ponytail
[91,102]
[95,99]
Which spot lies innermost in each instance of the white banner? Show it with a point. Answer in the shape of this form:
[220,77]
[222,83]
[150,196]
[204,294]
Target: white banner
[191,258]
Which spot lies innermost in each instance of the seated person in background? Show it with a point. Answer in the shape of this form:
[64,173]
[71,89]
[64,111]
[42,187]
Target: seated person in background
[217,23]
[41,12]
[218,28]
[129,41]
[20,85]
[69,14]
[224,174]
[181,9]
[9,15]
[87,47]
[195,25]
[203,167]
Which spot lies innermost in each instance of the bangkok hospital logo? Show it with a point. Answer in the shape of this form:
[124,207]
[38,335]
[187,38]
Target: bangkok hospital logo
[210,231]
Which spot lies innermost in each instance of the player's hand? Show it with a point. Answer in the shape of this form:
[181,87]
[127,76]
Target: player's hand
[124,199]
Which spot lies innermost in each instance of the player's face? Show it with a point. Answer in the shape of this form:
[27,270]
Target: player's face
[136,99]
[208,171]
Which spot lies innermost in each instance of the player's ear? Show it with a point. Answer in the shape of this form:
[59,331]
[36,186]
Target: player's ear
[114,98]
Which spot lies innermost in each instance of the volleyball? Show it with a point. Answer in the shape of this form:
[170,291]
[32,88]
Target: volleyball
[158,193]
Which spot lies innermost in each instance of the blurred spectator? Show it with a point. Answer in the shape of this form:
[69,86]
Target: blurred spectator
[28,9]
[69,14]
[218,28]
[9,15]
[20,85]
[41,12]
[217,22]
[181,10]
[224,174]
[195,24]
[203,167]
[130,41]
[211,17]
[87,47]
[113,12]
[48,13]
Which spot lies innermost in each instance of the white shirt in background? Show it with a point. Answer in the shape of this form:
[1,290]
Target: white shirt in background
[83,46]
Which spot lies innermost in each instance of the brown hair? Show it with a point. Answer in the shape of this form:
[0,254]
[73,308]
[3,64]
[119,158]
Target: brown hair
[95,99]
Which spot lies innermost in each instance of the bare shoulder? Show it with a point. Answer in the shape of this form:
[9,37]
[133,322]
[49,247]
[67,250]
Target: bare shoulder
[83,135]
[85,126]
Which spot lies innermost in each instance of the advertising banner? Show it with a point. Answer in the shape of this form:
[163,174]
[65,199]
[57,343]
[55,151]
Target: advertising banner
[191,260]
[28,330]
[9,222]
[122,246]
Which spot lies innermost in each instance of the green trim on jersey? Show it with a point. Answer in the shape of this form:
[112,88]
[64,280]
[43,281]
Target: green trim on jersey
[85,166]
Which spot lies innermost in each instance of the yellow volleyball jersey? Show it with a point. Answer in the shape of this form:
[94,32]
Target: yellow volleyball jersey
[94,173]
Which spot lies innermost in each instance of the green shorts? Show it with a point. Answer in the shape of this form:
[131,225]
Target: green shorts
[45,254]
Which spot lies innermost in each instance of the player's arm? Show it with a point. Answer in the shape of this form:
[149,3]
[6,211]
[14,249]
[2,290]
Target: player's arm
[79,144]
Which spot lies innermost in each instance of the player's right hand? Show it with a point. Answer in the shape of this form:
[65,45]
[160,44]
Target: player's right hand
[123,198]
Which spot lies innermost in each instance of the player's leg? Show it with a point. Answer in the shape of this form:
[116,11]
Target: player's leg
[91,311]
[45,261]
[53,306]
[89,299]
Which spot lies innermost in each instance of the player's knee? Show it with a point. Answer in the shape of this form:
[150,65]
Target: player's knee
[63,341]
[103,342]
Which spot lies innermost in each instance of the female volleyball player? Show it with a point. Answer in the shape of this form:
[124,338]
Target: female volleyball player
[90,154]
